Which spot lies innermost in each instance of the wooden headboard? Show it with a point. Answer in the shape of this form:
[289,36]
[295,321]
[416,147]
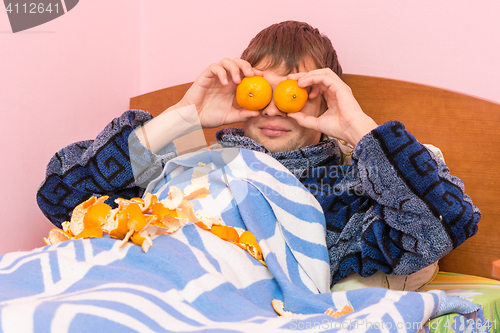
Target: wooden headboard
[465,128]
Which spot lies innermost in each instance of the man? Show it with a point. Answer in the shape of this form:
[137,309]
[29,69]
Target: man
[396,209]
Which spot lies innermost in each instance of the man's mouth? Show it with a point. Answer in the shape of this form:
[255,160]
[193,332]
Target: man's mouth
[273,130]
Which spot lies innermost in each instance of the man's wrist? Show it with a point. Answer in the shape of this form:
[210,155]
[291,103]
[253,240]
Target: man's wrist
[168,126]
[359,129]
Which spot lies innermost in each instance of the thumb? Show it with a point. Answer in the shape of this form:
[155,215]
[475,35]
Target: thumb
[305,121]
[240,115]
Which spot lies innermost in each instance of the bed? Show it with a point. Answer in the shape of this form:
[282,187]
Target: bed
[100,284]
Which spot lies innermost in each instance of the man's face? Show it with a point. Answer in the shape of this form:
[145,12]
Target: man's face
[274,129]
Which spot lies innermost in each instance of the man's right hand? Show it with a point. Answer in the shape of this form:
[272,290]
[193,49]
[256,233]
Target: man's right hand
[213,93]
[208,103]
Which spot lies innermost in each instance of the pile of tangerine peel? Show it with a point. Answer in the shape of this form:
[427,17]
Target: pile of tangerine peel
[140,219]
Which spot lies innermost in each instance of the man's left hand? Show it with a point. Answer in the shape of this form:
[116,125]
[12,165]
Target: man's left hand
[344,119]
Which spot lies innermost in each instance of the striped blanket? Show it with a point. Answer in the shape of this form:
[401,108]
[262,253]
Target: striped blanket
[192,281]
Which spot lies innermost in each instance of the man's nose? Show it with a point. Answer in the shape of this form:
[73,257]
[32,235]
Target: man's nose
[272,111]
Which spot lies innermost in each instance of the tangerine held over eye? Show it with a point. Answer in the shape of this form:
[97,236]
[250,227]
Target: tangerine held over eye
[254,93]
[289,97]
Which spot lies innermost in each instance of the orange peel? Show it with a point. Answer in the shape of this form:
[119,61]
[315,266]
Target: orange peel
[137,239]
[199,187]
[185,211]
[207,221]
[143,241]
[198,193]
[226,233]
[248,242]
[147,203]
[94,232]
[174,198]
[76,224]
[56,235]
[126,238]
[159,211]
[119,224]
[173,224]
[138,219]
[122,203]
[96,215]
[336,314]
[278,306]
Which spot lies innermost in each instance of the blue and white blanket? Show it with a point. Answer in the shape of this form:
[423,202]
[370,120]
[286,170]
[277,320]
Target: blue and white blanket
[192,281]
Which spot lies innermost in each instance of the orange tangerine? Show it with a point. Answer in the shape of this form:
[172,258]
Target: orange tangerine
[96,215]
[226,233]
[254,93]
[289,97]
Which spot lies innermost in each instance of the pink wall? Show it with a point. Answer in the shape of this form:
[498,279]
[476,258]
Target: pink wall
[63,81]
[59,82]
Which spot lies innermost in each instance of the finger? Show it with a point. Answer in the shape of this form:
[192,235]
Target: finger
[295,76]
[324,77]
[244,113]
[246,68]
[305,121]
[218,71]
[232,68]
[323,71]
[320,80]
[258,72]
[314,92]
[240,115]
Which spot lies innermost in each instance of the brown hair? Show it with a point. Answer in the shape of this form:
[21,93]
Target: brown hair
[288,44]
